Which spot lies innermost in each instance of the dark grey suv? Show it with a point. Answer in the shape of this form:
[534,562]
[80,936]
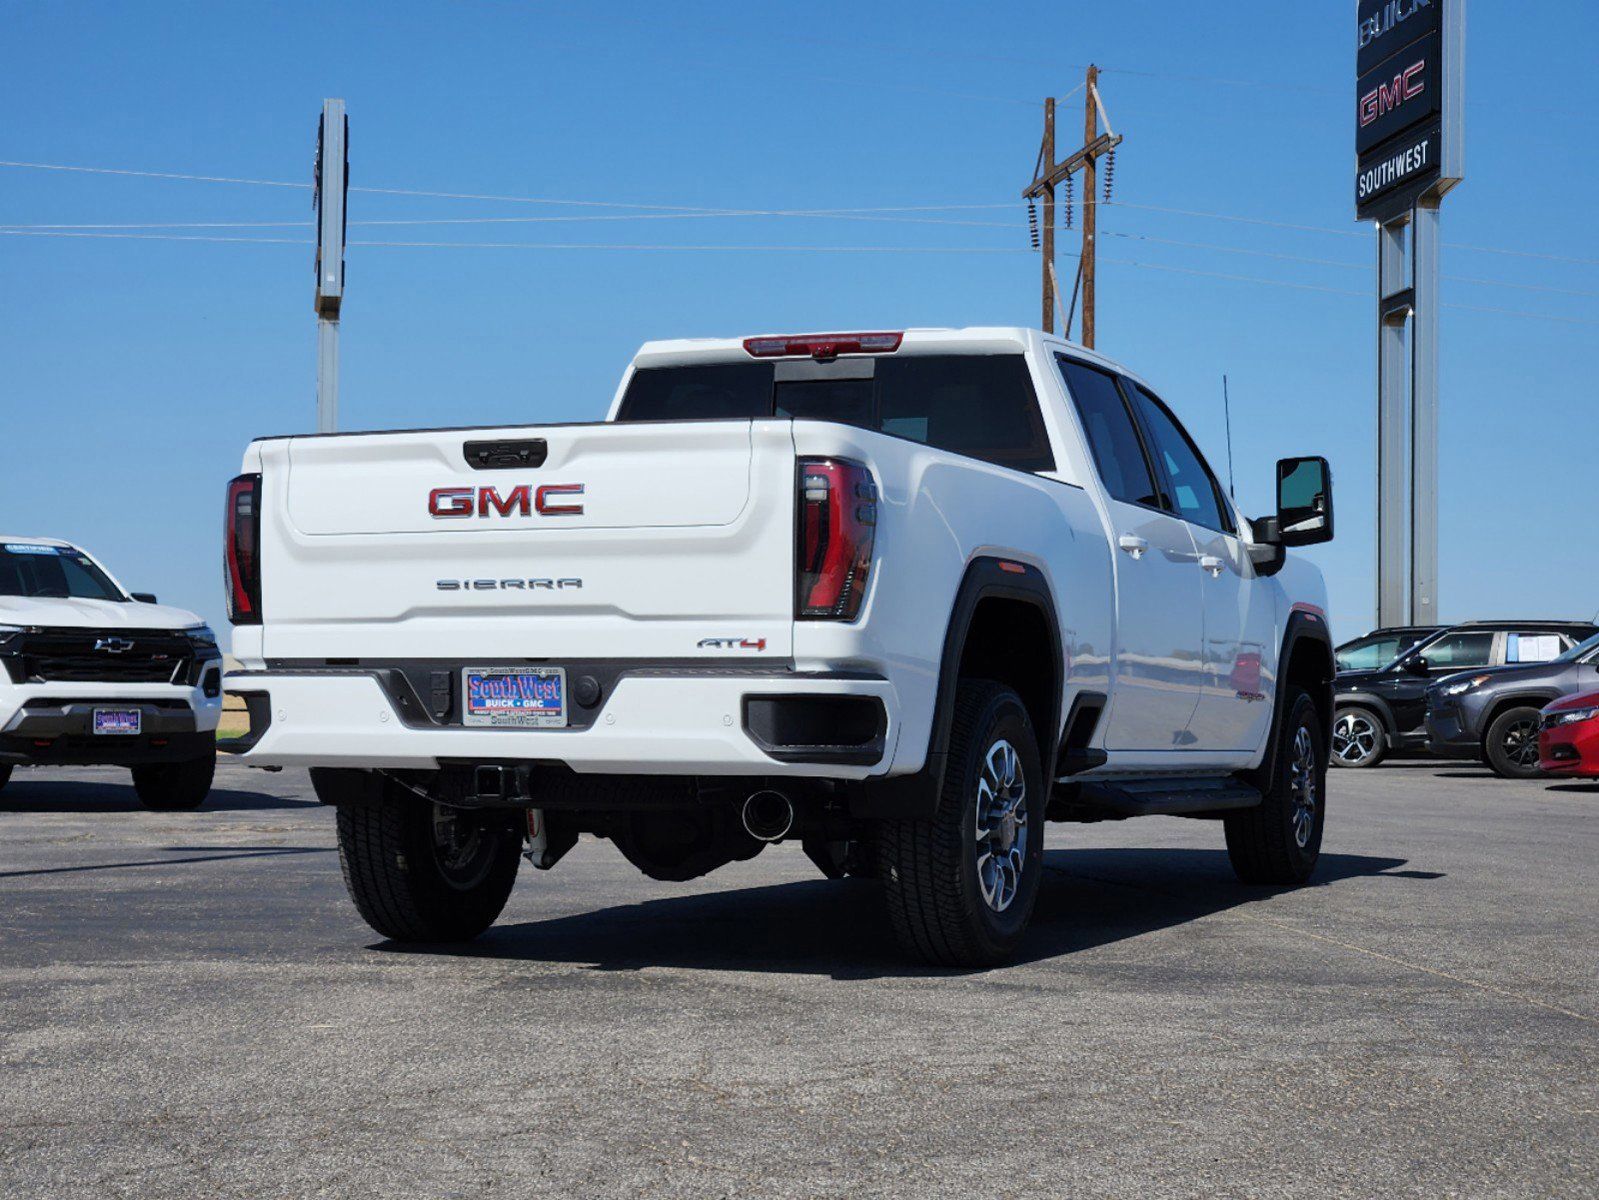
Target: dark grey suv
[1493,712]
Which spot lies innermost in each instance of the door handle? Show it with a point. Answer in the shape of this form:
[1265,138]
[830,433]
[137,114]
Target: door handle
[1209,562]
[1133,544]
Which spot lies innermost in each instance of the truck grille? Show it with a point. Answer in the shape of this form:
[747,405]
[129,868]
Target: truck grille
[100,656]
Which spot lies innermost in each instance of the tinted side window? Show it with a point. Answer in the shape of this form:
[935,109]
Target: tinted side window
[1194,492]
[1457,651]
[982,405]
[1112,438]
[706,392]
[1369,655]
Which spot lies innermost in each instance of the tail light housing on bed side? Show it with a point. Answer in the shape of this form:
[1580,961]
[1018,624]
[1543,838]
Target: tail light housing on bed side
[833,542]
[241,540]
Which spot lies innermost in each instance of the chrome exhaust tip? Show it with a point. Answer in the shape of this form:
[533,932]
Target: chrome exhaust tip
[767,816]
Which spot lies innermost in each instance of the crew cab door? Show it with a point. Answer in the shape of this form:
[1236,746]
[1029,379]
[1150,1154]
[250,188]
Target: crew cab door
[1158,669]
[1239,650]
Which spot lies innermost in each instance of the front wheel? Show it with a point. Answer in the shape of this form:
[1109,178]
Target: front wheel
[176,787]
[1279,841]
[424,872]
[1359,739]
[1511,746]
[961,885]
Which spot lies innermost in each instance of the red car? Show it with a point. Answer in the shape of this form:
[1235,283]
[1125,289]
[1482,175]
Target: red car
[1568,736]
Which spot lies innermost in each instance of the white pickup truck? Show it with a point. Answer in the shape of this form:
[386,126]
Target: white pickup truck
[902,597]
[91,673]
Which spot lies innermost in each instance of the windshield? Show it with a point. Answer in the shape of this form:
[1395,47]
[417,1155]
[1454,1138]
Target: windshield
[53,572]
[1580,649]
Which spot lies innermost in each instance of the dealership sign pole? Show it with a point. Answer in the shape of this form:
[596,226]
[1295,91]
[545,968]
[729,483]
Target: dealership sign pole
[332,188]
[1409,151]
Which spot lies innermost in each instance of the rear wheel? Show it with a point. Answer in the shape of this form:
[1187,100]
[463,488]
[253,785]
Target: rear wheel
[1279,841]
[424,872]
[1359,739]
[961,886]
[1511,746]
[176,787]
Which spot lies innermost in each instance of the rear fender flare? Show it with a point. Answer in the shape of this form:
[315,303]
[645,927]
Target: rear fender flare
[917,795]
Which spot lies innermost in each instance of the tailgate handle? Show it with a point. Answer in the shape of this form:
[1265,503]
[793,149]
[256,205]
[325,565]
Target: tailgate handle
[504,456]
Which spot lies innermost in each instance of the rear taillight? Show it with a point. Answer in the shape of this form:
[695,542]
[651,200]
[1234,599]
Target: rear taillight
[837,523]
[822,345]
[241,538]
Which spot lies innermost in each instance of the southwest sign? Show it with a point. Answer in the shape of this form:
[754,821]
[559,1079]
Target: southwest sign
[1408,91]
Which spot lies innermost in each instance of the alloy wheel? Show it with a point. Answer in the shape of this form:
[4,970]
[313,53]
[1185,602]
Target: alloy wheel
[1354,738]
[1001,832]
[1521,743]
[1302,786]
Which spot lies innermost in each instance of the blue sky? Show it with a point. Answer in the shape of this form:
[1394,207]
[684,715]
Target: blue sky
[133,372]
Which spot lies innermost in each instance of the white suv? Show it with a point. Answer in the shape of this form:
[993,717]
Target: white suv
[93,674]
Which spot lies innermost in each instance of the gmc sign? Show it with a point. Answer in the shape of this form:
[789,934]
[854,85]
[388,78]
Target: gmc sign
[1408,93]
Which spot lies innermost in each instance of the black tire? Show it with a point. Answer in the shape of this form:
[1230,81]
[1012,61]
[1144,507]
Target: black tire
[5,774]
[176,787]
[945,905]
[421,872]
[1511,746]
[1359,737]
[1278,842]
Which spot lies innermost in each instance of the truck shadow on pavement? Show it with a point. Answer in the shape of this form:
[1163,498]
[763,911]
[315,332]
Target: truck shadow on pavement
[23,795]
[1088,898]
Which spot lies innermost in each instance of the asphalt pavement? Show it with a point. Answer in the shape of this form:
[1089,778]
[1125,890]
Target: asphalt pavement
[189,1006]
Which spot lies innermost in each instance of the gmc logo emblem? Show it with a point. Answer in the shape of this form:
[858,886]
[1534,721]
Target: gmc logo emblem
[1384,98]
[521,501]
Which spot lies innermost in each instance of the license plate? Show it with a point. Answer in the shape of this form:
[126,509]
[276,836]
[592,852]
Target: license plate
[514,697]
[117,722]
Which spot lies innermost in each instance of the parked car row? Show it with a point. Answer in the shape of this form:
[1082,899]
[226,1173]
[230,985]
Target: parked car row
[1472,690]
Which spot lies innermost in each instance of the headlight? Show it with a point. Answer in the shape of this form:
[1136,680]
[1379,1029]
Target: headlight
[7,632]
[1465,685]
[1570,716]
[201,635]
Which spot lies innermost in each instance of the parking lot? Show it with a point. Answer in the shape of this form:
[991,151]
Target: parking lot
[189,1006]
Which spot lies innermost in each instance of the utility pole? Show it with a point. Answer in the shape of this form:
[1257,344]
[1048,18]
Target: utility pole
[1047,155]
[1090,209]
[1048,174]
[332,187]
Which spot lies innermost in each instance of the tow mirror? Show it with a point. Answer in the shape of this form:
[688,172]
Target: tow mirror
[1304,504]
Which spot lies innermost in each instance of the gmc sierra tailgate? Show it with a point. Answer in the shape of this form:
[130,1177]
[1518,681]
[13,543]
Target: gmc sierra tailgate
[643,541]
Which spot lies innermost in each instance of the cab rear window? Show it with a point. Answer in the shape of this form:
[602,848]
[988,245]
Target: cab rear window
[982,406]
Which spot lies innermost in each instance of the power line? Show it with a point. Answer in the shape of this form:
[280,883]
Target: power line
[1189,212]
[152,174]
[1296,258]
[704,211]
[769,248]
[838,215]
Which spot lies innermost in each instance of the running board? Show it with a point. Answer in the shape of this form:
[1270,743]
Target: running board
[1115,800]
